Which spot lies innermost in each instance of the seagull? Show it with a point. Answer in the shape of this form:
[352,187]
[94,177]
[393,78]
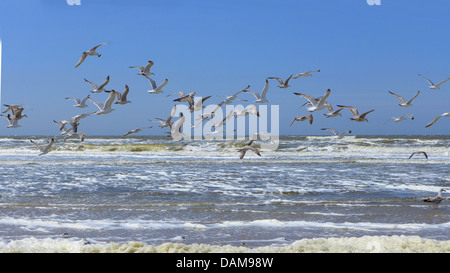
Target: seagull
[100,88]
[80,103]
[90,52]
[250,109]
[80,135]
[305,74]
[167,122]
[316,105]
[145,71]
[447,114]
[331,112]
[404,103]
[284,84]
[13,123]
[198,105]
[398,119]
[44,149]
[420,152]
[244,149]
[303,118]
[432,85]
[341,135]
[356,116]
[234,96]
[105,108]
[260,98]
[136,130]
[156,89]
[436,200]
[122,98]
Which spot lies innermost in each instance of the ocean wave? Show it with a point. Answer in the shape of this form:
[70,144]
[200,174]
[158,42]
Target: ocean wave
[365,244]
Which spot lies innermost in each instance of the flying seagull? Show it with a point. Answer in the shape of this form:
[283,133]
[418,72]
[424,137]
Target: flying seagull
[122,98]
[136,130]
[447,114]
[260,98]
[432,85]
[331,112]
[246,148]
[80,103]
[436,200]
[168,122]
[404,103]
[420,152]
[284,84]
[356,116]
[341,135]
[156,89]
[250,109]
[44,149]
[398,119]
[13,123]
[90,52]
[234,96]
[305,74]
[303,118]
[316,105]
[100,88]
[145,70]
[105,108]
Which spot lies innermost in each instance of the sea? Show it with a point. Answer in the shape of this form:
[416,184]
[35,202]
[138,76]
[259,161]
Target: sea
[153,194]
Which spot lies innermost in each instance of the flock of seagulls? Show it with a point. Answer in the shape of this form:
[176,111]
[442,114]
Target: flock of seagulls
[115,97]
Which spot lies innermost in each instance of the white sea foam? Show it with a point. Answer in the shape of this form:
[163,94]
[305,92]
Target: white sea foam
[365,244]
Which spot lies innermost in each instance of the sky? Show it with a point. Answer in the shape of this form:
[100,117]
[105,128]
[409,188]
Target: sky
[217,48]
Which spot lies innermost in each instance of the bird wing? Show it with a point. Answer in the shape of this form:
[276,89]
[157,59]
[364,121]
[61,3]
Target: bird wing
[442,81]
[308,97]
[83,57]
[278,79]
[431,83]
[363,115]
[98,104]
[352,109]
[77,100]
[332,130]
[433,121]
[398,97]
[104,83]
[265,88]
[418,92]
[97,46]
[125,93]
[92,84]
[148,66]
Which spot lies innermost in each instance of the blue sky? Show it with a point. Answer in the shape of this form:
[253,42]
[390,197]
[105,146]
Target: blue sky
[217,48]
